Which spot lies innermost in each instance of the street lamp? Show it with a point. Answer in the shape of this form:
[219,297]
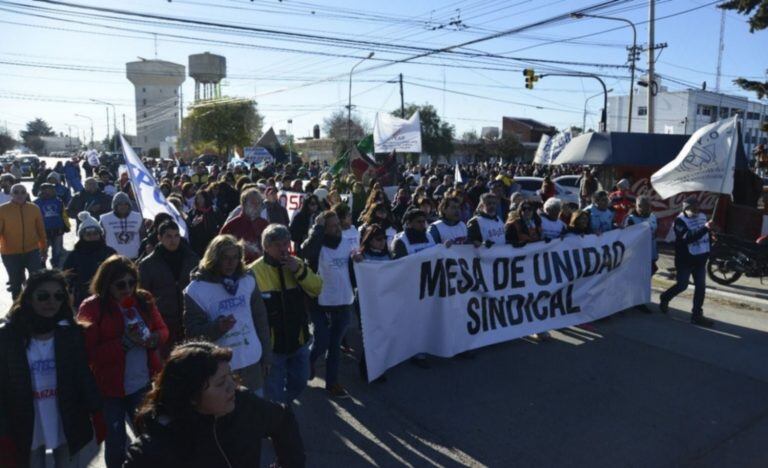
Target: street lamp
[349,106]
[584,119]
[631,56]
[114,120]
[91,120]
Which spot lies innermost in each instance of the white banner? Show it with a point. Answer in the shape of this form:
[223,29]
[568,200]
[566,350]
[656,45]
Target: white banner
[542,152]
[558,145]
[705,164]
[150,199]
[444,301]
[394,134]
[291,201]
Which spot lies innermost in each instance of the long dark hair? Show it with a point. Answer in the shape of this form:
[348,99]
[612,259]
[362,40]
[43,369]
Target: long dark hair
[109,271]
[182,380]
[20,314]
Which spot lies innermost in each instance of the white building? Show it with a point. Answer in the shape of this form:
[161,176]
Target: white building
[684,112]
[157,84]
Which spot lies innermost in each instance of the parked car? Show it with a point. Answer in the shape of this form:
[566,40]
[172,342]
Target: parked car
[571,183]
[7,159]
[530,186]
[28,163]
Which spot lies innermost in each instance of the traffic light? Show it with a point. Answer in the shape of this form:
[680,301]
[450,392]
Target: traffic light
[530,77]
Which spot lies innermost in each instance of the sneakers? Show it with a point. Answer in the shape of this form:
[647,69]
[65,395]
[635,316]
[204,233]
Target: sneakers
[702,321]
[543,336]
[338,391]
[664,307]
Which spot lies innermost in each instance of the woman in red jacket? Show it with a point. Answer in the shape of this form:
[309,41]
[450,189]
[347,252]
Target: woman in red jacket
[123,329]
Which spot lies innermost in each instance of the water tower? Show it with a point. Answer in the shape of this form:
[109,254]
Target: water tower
[157,85]
[207,70]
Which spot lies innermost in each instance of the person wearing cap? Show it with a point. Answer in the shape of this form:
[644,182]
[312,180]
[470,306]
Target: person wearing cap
[276,213]
[55,220]
[622,201]
[692,247]
[6,182]
[62,192]
[23,243]
[90,251]
[414,238]
[91,199]
[123,227]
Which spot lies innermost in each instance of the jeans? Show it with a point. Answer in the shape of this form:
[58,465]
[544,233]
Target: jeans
[57,248]
[331,323]
[15,264]
[116,411]
[697,268]
[288,375]
[61,458]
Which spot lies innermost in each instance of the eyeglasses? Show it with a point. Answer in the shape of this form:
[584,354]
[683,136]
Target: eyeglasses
[123,284]
[44,296]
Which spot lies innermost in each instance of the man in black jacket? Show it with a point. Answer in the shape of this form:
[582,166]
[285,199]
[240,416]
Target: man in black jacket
[165,273]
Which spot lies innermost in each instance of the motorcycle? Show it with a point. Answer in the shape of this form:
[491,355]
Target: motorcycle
[732,257]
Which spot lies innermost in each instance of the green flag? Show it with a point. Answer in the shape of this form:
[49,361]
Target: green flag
[340,163]
[365,146]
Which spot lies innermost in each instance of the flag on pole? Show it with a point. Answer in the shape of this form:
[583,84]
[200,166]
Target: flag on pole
[391,133]
[558,145]
[705,164]
[542,152]
[150,199]
[457,174]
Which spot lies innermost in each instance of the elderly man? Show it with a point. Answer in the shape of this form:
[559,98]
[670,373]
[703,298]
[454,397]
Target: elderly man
[22,237]
[92,200]
[285,281]
[248,225]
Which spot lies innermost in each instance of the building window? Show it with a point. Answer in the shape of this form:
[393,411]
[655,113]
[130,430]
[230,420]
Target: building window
[642,110]
[736,111]
[144,102]
[144,115]
[143,90]
[724,112]
[704,110]
[175,91]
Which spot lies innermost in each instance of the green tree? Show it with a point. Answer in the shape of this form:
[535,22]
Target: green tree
[31,135]
[336,125]
[436,135]
[222,125]
[7,142]
[757,22]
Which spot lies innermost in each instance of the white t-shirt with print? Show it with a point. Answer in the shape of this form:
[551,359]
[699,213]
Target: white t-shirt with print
[48,429]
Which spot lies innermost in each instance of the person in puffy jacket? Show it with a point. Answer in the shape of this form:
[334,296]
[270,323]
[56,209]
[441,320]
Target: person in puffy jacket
[123,330]
[48,397]
[196,416]
[90,251]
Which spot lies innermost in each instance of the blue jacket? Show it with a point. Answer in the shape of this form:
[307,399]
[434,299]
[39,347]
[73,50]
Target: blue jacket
[53,213]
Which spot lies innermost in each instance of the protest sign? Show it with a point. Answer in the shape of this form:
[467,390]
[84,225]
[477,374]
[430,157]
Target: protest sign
[394,134]
[291,201]
[444,301]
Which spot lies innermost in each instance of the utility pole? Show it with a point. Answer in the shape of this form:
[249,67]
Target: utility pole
[108,127]
[651,51]
[402,99]
[720,49]
[123,124]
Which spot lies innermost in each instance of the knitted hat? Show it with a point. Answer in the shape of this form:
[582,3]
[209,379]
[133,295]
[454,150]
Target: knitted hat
[120,198]
[87,222]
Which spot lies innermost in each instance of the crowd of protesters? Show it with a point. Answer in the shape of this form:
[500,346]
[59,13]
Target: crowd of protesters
[141,325]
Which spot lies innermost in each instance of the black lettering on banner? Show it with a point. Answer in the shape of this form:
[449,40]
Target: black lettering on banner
[562,266]
[570,308]
[577,262]
[544,277]
[591,261]
[465,283]
[618,253]
[473,326]
[496,311]
[477,273]
[431,279]
[541,312]
[518,300]
[451,273]
[500,273]
[607,263]
[517,270]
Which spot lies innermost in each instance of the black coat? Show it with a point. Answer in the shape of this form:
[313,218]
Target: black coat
[82,264]
[232,441]
[77,394]
[201,234]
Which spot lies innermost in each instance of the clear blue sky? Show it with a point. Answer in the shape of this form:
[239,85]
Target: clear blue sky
[275,78]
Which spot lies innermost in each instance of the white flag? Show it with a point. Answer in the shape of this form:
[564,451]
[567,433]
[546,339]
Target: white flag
[542,152]
[148,195]
[457,174]
[705,164]
[558,145]
[393,134]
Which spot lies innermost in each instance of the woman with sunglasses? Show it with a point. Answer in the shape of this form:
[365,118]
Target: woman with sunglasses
[48,395]
[123,330]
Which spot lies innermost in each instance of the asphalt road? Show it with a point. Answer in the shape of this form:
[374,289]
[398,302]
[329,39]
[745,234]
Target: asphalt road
[637,390]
